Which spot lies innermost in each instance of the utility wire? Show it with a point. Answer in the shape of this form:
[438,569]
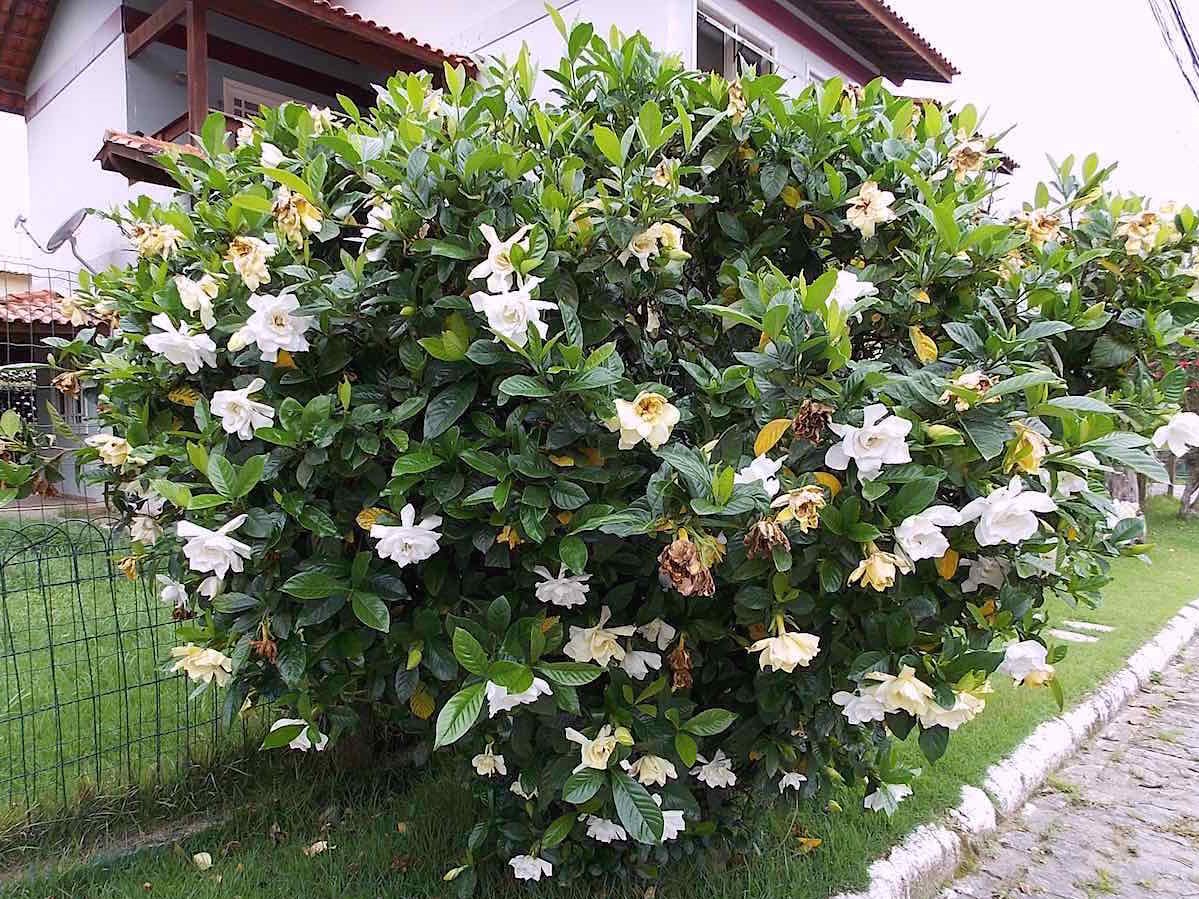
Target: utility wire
[1172,23]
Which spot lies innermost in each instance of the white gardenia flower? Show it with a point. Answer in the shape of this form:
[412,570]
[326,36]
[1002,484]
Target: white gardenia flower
[886,798]
[861,707]
[649,417]
[530,867]
[761,470]
[179,345]
[1180,434]
[793,780]
[903,692]
[273,326]
[271,155]
[144,529]
[172,593]
[849,289]
[488,763]
[920,534]
[564,590]
[214,551]
[594,753]
[604,831]
[197,297]
[673,823]
[211,586]
[638,662]
[598,644]
[1122,509]
[510,313]
[408,542]
[245,135]
[1005,515]
[716,773]
[1068,483]
[500,700]
[239,414]
[786,651]
[322,119]
[303,741]
[985,571]
[651,769]
[518,789]
[1027,662]
[878,442]
[203,664]
[657,632]
[497,267]
[870,208]
[965,707]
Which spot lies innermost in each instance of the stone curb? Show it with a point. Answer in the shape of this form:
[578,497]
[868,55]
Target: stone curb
[930,855]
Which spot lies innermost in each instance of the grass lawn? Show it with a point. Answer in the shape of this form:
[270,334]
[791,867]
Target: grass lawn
[394,834]
[85,706]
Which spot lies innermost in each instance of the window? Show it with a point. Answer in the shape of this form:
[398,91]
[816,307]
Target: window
[243,100]
[817,75]
[725,47]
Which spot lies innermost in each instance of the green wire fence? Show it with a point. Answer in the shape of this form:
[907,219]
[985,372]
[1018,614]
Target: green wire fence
[87,704]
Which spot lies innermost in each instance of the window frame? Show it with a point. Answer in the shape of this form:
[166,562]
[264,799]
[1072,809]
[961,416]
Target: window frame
[736,35]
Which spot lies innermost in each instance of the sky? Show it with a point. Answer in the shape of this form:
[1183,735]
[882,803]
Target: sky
[1068,76]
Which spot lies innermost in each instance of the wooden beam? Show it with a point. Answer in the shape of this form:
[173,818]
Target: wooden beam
[901,30]
[255,60]
[197,64]
[153,26]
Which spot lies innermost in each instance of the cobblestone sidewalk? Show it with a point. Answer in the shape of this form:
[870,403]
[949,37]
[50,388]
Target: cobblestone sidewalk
[1120,819]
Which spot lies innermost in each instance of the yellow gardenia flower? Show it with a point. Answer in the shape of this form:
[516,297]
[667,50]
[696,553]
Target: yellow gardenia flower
[1139,232]
[878,570]
[968,158]
[1026,451]
[249,256]
[802,506]
[294,215]
[1040,225]
[925,346]
[737,106]
[156,240]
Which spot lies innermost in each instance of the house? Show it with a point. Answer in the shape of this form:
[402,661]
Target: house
[106,85]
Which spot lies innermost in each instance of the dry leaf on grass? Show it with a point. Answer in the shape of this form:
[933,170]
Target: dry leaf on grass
[317,848]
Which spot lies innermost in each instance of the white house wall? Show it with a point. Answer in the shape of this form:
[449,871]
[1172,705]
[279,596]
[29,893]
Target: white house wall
[64,137]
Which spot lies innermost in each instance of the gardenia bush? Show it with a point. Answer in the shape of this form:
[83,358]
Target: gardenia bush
[651,452]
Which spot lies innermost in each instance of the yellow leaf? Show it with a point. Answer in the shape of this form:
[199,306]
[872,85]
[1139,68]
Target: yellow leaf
[184,396]
[565,518]
[771,434]
[421,704]
[563,461]
[809,844]
[509,535]
[925,346]
[763,341]
[368,517]
[593,455]
[792,196]
[284,360]
[921,296]
[828,482]
[948,564]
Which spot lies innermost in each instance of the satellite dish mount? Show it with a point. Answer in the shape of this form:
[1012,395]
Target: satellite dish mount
[64,233]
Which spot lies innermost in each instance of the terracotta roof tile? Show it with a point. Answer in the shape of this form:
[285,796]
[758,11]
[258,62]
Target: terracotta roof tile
[33,307]
[371,23]
[874,28]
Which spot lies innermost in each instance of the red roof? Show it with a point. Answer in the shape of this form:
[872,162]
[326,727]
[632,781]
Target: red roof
[33,307]
[873,28]
[23,24]
[353,17]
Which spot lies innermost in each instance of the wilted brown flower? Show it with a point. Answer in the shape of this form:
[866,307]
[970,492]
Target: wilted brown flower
[67,383]
[1041,226]
[265,647]
[763,537]
[737,105]
[802,506]
[184,396]
[811,421]
[968,158]
[679,661]
[681,566]
[128,566]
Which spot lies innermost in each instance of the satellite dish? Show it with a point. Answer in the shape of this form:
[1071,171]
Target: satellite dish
[65,233]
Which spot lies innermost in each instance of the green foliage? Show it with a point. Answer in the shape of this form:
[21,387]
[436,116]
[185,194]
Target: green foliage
[500,490]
